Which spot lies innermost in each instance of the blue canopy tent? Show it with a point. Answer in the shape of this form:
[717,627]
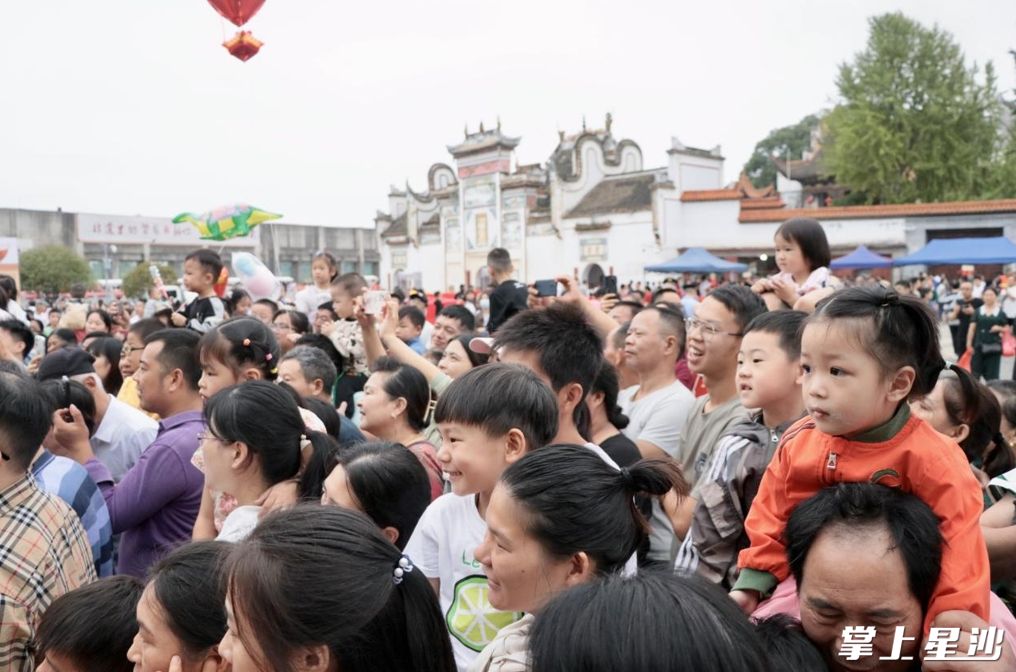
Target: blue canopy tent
[862,257]
[696,260]
[999,250]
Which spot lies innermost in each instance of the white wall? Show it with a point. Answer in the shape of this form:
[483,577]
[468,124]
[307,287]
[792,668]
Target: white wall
[790,191]
[594,169]
[714,225]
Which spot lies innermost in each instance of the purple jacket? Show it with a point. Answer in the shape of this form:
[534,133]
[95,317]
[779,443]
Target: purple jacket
[155,504]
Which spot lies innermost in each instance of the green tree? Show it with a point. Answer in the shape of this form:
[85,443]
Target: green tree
[1003,173]
[139,280]
[915,123]
[789,142]
[53,269]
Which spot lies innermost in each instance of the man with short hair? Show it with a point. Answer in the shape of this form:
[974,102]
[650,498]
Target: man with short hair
[963,312]
[309,371]
[509,296]
[451,322]
[714,338]
[122,432]
[45,548]
[658,406]
[560,346]
[667,295]
[624,311]
[18,339]
[156,503]
[613,352]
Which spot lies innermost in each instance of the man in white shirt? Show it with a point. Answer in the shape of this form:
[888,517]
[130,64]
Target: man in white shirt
[658,406]
[122,432]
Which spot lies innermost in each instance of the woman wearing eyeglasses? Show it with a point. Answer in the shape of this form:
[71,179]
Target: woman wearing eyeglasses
[255,438]
[130,360]
[289,325]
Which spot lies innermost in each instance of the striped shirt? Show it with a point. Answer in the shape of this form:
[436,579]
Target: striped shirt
[69,481]
[43,554]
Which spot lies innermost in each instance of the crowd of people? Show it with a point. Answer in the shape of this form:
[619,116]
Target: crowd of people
[782,474]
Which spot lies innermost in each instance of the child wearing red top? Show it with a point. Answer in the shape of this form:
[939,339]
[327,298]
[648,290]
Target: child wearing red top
[864,352]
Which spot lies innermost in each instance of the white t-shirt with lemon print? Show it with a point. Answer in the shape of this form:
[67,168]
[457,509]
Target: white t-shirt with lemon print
[442,548]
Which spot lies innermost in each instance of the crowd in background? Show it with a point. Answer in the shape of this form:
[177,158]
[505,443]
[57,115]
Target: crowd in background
[790,472]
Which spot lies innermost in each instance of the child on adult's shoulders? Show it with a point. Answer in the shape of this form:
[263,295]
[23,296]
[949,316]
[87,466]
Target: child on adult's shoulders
[803,257]
[201,270]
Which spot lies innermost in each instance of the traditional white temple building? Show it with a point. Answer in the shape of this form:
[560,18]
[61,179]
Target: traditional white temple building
[593,209]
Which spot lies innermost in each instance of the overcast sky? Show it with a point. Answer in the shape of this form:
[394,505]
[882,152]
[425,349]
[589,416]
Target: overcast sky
[134,107]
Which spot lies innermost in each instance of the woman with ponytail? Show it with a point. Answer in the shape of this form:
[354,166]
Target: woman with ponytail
[559,517]
[396,406]
[321,588]
[255,438]
[968,412]
[606,419]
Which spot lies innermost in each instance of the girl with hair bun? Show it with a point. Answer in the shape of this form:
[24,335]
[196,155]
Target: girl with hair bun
[559,517]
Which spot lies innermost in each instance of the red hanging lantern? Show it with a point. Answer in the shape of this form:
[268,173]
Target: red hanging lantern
[243,45]
[237,11]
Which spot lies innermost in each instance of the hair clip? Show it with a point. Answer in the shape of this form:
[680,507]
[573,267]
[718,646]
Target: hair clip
[246,342]
[428,416]
[268,357]
[404,566]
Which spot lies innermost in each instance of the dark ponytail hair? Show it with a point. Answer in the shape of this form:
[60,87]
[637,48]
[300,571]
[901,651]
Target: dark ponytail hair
[389,483]
[971,403]
[188,586]
[240,341]
[267,419]
[897,330]
[329,259]
[323,575]
[407,383]
[607,384]
[576,502]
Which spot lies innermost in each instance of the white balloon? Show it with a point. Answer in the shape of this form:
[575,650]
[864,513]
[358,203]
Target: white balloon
[255,277]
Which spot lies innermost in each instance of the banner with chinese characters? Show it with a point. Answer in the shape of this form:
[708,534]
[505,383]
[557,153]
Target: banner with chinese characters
[122,229]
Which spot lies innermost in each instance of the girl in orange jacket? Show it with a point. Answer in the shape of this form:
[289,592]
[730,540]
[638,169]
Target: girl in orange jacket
[864,353]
